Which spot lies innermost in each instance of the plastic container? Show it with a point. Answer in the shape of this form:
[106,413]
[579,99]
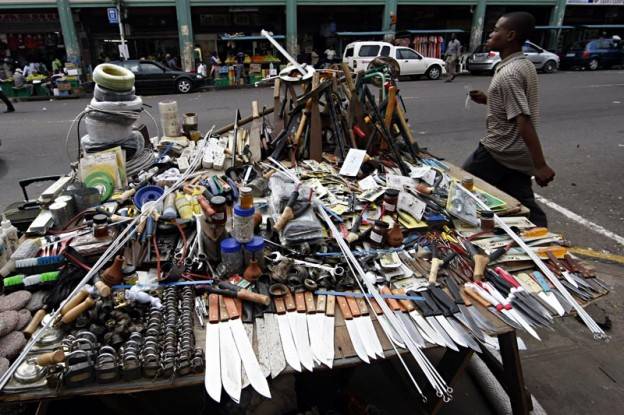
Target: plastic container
[232,256]
[254,249]
[243,224]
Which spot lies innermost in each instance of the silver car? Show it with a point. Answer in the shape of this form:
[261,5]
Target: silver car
[485,60]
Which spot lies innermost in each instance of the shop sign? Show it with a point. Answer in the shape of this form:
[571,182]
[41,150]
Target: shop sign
[28,17]
[113,16]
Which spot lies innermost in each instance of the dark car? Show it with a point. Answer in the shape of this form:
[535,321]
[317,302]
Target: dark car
[593,54]
[151,77]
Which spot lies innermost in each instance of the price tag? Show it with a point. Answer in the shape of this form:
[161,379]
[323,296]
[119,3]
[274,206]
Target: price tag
[353,162]
[397,182]
[368,183]
[410,204]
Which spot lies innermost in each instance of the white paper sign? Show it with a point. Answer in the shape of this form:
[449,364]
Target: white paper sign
[426,173]
[368,183]
[394,181]
[410,204]
[353,162]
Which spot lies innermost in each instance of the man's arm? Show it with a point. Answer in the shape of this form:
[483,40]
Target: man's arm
[543,173]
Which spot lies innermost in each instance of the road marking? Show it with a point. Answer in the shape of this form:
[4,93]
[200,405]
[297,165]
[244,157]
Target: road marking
[591,253]
[600,85]
[581,220]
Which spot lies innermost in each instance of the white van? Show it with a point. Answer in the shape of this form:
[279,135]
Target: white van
[359,54]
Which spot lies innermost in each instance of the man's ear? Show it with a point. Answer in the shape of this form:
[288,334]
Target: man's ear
[511,36]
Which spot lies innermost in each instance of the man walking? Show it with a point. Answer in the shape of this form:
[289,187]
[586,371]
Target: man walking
[453,51]
[510,153]
[3,98]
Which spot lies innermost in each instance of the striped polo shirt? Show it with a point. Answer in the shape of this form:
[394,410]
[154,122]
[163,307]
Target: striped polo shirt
[513,91]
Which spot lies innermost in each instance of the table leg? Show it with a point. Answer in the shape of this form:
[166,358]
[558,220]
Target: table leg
[450,367]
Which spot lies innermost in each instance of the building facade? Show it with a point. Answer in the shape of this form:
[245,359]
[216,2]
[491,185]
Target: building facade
[83,32]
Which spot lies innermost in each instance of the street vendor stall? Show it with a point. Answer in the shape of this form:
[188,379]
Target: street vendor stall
[311,235]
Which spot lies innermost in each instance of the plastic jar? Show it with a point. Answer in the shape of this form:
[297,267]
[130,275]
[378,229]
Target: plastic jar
[468,183]
[246,198]
[390,200]
[231,256]
[378,233]
[487,221]
[217,203]
[254,249]
[100,228]
[243,224]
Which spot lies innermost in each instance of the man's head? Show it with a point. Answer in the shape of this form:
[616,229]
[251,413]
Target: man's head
[511,31]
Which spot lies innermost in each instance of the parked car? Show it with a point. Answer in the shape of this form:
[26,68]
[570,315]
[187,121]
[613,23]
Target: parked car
[153,77]
[485,60]
[594,54]
[358,55]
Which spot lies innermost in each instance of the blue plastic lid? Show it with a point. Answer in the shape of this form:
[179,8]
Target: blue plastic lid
[147,194]
[239,211]
[230,246]
[256,244]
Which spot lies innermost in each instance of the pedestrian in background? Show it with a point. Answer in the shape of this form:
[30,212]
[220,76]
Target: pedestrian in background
[453,52]
[9,105]
[510,153]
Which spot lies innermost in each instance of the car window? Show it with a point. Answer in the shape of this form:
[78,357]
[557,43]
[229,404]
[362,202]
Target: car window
[604,44]
[592,45]
[529,48]
[349,53]
[150,68]
[369,50]
[407,54]
[385,51]
[133,66]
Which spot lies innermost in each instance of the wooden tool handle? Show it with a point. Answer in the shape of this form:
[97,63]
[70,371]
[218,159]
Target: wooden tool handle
[309,302]
[344,308]
[465,297]
[406,304]
[361,303]
[390,107]
[433,272]
[213,308]
[276,92]
[300,128]
[480,262]
[34,323]
[231,307]
[280,308]
[289,302]
[50,358]
[223,314]
[376,308]
[472,294]
[75,300]
[253,297]
[286,216]
[255,112]
[103,289]
[394,304]
[330,308]
[321,303]
[300,302]
[75,312]
[353,306]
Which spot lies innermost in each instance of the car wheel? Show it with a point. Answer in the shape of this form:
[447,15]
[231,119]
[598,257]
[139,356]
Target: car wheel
[434,72]
[184,86]
[550,67]
[593,64]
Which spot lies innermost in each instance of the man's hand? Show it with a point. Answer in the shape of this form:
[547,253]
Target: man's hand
[478,96]
[544,175]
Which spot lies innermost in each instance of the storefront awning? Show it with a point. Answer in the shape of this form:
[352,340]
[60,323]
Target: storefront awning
[433,31]
[238,38]
[550,27]
[351,34]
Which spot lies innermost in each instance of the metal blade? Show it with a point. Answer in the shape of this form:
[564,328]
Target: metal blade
[442,333]
[532,316]
[212,379]
[569,278]
[457,338]
[412,331]
[315,330]
[358,346]
[505,319]
[263,352]
[564,303]
[465,335]
[393,336]
[425,328]
[469,322]
[250,362]
[362,329]
[288,343]
[277,360]
[373,337]
[328,340]
[481,321]
[536,305]
[249,331]
[299,329]
[526,326]
[552,302]
[230,362]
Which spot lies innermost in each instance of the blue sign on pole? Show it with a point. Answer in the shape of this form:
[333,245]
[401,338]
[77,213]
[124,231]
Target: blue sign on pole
[113,16]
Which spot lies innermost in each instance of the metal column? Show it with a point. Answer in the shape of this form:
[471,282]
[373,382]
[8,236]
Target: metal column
[389,17]
[291,28]
[556,19]
[478,21]
[72,47]
[185,34]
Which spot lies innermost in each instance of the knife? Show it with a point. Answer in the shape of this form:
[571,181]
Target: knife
[429,313]
[559,269]
[328,331]
[299,328]
[358,346]
[459,302]
[288,343]
[361,327]
[534,287]
[471,292]
[319,317]
[424,328]
[368,323]
[440,318]
[519,291]
[450,311]
[245,350]
[270,350]
[212,377]
[315,327]
[387,327]
[230,359]
[414,335]
[481,320]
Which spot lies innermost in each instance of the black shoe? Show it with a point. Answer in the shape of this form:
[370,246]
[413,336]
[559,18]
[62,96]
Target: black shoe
[9,110]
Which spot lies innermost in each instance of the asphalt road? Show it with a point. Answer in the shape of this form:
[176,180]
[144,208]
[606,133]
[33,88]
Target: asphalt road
[582,132]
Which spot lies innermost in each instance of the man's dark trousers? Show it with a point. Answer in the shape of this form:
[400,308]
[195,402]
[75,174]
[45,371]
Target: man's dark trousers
[6,101]
[514,183]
